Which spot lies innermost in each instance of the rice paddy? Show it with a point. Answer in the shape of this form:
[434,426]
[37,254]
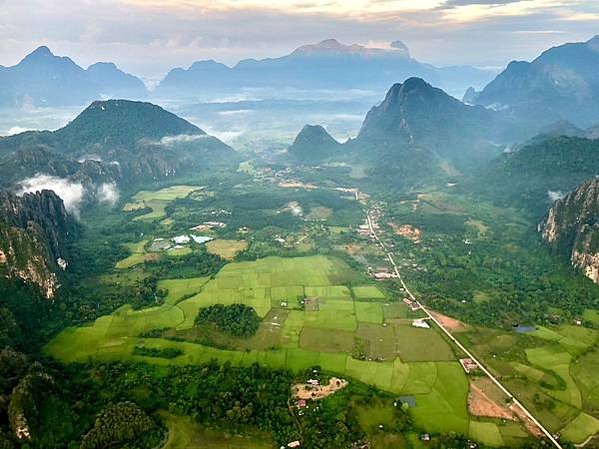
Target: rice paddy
[227,249]
[340,333]
[553,371]
[157,201]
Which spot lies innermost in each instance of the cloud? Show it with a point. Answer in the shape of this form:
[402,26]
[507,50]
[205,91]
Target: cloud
[70,192]
[182,138]
[15,130]
[235,112]
[89,157]
[108,193]
[555,195]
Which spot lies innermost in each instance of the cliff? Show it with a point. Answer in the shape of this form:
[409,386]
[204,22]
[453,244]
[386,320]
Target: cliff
[34,229]
[572,228]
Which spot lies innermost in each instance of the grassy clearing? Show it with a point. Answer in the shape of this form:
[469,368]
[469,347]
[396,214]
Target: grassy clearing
[376,342]
[137,255]
[319,213]
[486,432]
[324,340]
[227,249]
[178,288]
[183,433]
[179,252]
[591,316]
[369,312]
[367,292]
[580,428]
[421,345]
[157,201]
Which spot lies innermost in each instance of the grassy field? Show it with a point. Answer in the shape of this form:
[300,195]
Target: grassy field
[227,249]
[157,201]
[183,433]
[138,255]
[553,371]
[343,335]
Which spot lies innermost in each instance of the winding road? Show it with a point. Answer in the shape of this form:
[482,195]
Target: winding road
[514,400]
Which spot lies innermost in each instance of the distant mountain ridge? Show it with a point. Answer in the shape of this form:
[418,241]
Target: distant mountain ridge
[572,228]
[561,84]
[328,64]
[43,79]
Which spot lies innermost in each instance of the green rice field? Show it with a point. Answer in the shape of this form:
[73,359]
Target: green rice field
[157,201]
[340,333]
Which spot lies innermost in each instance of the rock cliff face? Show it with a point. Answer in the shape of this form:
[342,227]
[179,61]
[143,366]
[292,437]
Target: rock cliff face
[572,227]
[34,229]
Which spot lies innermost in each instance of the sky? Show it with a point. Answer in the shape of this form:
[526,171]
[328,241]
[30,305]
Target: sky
[149,37]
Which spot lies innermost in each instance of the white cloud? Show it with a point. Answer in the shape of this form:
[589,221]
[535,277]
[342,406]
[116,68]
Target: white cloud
[70,192]
[15,130]
[235,112]
[555,195]
[108,193]
[182,138]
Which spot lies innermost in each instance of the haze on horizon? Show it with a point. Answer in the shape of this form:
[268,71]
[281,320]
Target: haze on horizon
[149,37]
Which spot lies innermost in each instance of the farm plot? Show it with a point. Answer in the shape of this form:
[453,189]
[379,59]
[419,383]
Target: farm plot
[227,249]
[368,292]
[421,345]
[137,256]
[157,201]
[295,339]
[183,433]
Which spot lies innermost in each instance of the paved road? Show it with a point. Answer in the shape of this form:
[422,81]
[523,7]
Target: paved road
[457,343]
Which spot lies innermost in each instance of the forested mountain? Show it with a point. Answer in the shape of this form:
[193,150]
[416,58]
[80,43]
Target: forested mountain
[43,79]
[561,84]
[418,133]
[314,143]
[319,66]
[572,228]
[417,114]
[114,140]
[535,174]
[34,230]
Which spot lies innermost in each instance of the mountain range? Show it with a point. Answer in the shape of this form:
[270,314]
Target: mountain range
[326,65]
[44,79]
[561,84]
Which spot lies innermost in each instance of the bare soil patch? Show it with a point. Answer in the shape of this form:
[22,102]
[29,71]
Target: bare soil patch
[485,399]
[449,323]
[315,392]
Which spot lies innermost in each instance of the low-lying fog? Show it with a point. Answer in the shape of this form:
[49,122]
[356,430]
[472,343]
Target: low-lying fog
[255,119]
